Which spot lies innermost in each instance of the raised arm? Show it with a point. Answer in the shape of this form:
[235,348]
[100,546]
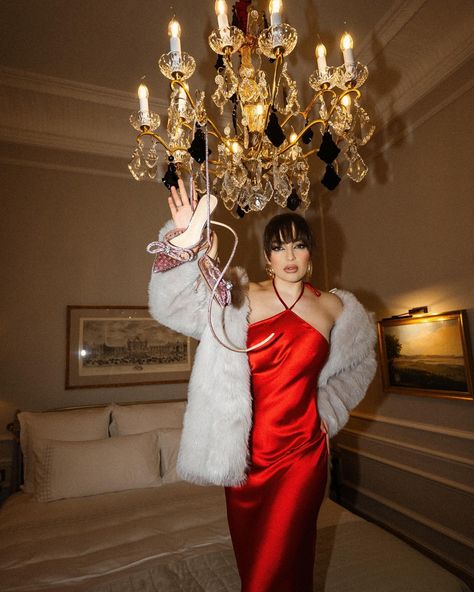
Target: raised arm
[178,297]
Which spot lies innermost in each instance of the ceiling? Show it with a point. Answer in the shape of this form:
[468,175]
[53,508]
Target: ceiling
[69,69]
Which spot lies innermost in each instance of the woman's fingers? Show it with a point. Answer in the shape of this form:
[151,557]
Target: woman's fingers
[176,197]
[180,206]
[172,206]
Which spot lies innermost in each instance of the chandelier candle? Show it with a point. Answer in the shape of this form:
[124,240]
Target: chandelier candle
[222,21]
[321,58]
[174,31]
[346,46]
[182,99]
[275,12]
[275,21]
[144,109]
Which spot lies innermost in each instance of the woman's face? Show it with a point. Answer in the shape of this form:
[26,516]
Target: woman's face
[290,260]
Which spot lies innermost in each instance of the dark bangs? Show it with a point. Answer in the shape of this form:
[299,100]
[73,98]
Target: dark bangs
[286,228]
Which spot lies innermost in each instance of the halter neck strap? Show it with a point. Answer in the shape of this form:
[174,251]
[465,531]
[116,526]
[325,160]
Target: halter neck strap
[281,299]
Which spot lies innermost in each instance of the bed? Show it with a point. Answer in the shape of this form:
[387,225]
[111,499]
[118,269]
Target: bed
[168,535]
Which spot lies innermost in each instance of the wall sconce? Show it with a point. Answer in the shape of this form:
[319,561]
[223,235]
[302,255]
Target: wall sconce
[412,312]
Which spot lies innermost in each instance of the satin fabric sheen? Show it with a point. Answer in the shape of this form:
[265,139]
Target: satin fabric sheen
[272,517]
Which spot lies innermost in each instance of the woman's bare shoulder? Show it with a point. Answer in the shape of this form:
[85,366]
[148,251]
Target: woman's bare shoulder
[259,287]
[332,304]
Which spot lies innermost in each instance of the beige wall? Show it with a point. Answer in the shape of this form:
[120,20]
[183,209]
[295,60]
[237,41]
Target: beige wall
[68,238]
[405,239]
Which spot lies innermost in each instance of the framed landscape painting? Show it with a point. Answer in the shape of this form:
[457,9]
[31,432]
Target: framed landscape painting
[123,346]
[427,355]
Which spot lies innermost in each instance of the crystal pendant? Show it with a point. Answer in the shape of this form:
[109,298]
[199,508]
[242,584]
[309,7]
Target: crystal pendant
[137,166]
[218,96]
[281,184]
[341,120]
[286,102]
[323,110]
[152,161]
[357,169]
[363,127]
[200,109]
[256,199]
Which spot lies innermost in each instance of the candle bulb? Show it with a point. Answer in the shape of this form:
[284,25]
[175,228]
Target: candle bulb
[222,20]
[221,12]
[143,100]
[275,12]
[174,31]
[321,57]
[346,46]
[346,102]
[182,98]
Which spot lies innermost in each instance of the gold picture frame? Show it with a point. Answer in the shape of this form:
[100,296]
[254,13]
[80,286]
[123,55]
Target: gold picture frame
[112,346]
[427,355]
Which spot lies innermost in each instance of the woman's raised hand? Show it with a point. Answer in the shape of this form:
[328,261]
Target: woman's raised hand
[180,205]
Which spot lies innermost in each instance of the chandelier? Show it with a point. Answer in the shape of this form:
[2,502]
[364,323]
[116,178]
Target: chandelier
[263,149]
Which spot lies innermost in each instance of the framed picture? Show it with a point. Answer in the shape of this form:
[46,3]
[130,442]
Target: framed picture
[428,355]
[123,346]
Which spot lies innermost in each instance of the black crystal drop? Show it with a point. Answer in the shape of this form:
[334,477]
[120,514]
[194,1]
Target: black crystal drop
[331,178]
[293,201]
[239,211]
[328,150]
[198,146]
[273,131]
[171,178]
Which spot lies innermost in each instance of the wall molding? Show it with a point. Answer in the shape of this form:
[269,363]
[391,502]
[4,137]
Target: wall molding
[63,168]
[388,27]
[80,91]
[65,142]
[408,469]
[417,122]
[414,447]
[401,102]
[425,427]
[433,525]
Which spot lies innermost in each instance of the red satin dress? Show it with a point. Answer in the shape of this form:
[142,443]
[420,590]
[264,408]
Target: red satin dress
[272,517]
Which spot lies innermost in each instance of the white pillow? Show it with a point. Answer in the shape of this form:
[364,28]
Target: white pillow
[77,425]
[76,469]
[136,419]
[169,447]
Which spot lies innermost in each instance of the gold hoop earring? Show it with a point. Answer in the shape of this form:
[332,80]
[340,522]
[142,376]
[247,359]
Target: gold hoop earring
[309,271]
[269,271]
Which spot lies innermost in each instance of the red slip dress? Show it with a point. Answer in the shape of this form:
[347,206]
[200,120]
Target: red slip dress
[272,517]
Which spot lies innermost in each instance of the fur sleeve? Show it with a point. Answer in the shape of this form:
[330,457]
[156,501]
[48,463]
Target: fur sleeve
[177,298]
[351,365]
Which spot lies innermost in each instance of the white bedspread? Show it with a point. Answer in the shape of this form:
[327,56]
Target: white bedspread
[175,538]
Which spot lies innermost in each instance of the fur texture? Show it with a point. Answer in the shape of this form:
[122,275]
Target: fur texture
[218,418]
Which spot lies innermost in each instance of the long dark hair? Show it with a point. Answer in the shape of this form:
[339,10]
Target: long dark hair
[287,228]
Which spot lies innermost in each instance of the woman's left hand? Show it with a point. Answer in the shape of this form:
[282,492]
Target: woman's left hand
[181,206]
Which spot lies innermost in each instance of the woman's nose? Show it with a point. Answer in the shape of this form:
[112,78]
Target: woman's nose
[290,253]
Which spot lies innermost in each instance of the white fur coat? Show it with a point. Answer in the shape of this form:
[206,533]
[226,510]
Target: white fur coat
[218,418]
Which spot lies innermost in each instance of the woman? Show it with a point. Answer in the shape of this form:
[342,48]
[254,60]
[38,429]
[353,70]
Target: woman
[275,471]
